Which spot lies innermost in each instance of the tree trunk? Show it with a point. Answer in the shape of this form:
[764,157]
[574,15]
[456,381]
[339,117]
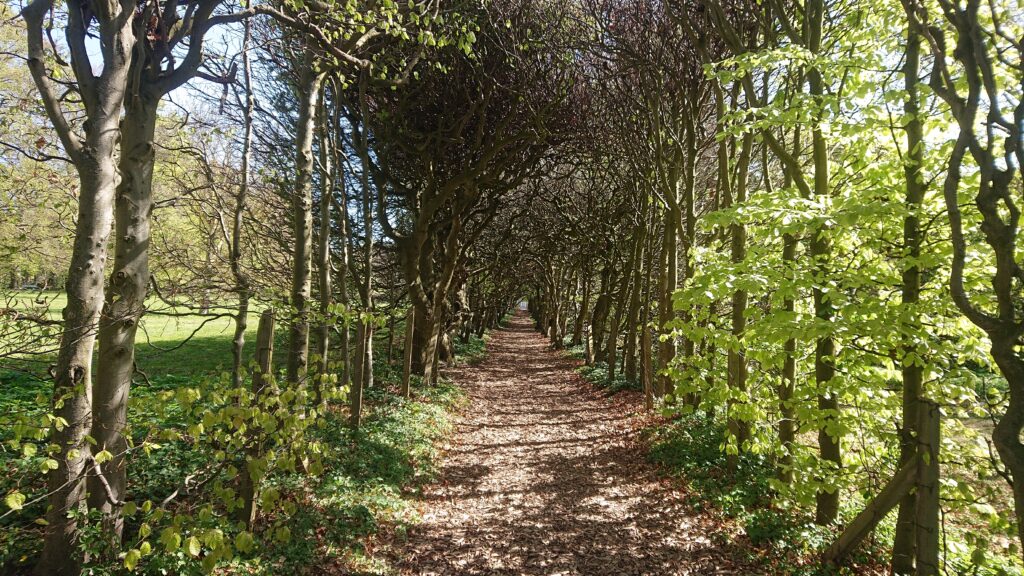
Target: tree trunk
[102,97]
[417,252]
[410,320]
[611,351]
[633,308]
[646,376]
[554,300]
[341,213]
[431,328]
[667,285]
[787,387]
[442,284]
[612,345]
[904,542]
[600,317]
[391,338]
[631,351]
[1007,433]
[737,360]
[235,257]
[926,492]
[567,297]
[308,90]
[364,377]
[364,350]
[827,507]
[72,393]
[324,255]
[438,344]
[581,318]
[125,304]
[422,330]
[689,235]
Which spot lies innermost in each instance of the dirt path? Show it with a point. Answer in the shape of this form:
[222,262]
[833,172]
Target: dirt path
[544,477]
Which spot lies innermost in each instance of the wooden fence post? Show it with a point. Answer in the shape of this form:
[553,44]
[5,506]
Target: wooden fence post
[410,322]
[248,486]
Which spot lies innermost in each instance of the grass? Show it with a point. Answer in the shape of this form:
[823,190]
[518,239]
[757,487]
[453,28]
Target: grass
[166,343]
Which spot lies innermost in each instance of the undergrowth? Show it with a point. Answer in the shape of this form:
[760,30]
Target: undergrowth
[691,448]
[597,373]
[369,482]
[372,479]
[472,350]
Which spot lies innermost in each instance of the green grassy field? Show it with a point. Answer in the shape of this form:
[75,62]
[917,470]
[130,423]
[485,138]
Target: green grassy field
[167,343]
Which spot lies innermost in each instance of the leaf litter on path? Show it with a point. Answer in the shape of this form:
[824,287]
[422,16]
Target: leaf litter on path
[546,476]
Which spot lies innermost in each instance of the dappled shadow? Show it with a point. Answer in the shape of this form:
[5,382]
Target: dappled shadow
[545,477]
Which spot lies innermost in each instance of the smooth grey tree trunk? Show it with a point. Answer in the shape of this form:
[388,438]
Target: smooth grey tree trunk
[410,321]
[72,394]
[364,364]
[581,318]
[787,387]
[308,90]
[341,214]
[93,155]
[829,446]
[125,305]
[667,285]
[324,253]
[737,360]
[905,541]
[242,288]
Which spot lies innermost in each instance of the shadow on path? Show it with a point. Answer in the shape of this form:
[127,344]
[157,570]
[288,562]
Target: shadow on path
[544,477]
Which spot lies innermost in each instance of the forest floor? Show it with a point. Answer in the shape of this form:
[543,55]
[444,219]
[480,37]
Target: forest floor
[546,475]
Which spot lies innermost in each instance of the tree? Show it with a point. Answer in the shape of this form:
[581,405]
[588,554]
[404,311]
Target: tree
[981,86]
[91,147]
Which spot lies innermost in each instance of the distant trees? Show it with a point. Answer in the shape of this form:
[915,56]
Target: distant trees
[451,146]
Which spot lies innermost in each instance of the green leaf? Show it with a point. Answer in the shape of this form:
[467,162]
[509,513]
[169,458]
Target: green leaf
[244,542]
[103,456]
[170,539]
[15,500]
[131,559]
[193,546]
